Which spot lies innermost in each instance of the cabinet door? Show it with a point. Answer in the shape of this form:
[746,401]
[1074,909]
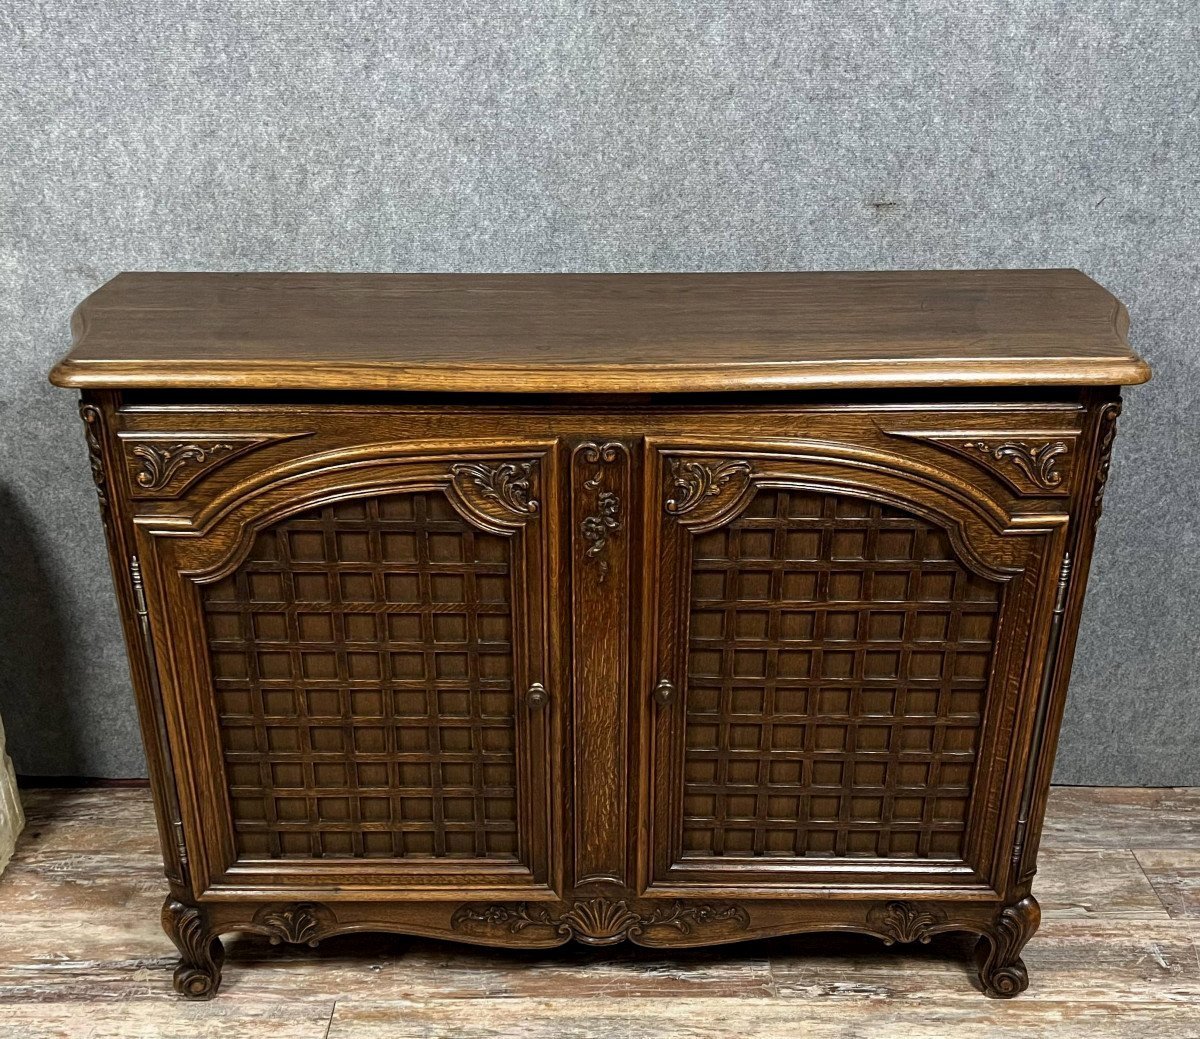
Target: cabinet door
[845,652]
[357,677]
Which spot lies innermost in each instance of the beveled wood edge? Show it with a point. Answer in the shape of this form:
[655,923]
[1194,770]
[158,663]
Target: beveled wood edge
[585,377]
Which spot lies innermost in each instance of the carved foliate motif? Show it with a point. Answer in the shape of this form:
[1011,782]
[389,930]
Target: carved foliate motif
[599,921]
[92,425]
[299,924]
[905,922]
[165,467]
[158,463]
[507,485]
[605,521]
[1030,464]
[1108,432]
[692,481]
[596,528]
[1036,461]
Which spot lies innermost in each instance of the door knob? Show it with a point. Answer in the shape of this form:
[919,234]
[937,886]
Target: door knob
[537,695]
[664,693]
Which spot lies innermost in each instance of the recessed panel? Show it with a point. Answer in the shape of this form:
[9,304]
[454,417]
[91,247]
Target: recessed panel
[838,663]
[362,658]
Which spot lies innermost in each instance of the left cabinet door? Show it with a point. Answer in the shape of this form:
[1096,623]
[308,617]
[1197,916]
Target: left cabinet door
[356,663]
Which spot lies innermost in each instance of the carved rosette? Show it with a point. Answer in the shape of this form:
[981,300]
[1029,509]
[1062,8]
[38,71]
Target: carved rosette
[599,921]
[1108,433]
[93,424]
[1036,461]
[502,491]
[694,481]
[198,974]
[605,521]
[301,924]
[1001,970]
[905,922]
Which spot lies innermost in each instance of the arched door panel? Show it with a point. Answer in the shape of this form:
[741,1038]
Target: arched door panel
[831,699]
[361,656]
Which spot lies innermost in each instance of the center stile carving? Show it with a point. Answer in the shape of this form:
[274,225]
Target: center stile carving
[605,521]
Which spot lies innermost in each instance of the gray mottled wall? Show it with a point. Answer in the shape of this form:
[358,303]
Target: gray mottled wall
[632,136]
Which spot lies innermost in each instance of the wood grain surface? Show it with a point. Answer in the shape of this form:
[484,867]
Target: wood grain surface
[82,955]
[595,333]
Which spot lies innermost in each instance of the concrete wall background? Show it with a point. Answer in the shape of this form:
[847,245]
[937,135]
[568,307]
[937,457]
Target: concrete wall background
[626,136]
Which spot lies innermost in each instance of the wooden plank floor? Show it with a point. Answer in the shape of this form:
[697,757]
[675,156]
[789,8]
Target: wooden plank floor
[1118,954]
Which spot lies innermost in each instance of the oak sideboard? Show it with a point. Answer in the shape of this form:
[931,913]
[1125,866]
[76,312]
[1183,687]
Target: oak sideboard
[677,609]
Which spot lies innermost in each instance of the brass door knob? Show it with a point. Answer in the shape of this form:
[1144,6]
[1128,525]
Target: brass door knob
[537,695]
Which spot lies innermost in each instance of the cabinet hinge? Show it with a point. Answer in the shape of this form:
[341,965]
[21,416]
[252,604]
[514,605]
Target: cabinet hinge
[139,591]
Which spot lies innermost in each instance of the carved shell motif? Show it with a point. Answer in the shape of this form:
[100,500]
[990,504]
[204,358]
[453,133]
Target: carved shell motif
[298,924]
[905,922]
[599,921]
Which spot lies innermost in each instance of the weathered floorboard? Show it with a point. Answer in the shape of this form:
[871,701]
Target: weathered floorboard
[1122,817]
[1175,876]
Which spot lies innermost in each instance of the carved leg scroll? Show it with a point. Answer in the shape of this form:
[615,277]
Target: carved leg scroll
[201,953]
[1001,971]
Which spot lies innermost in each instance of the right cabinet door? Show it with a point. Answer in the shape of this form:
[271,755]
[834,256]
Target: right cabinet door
[842,670]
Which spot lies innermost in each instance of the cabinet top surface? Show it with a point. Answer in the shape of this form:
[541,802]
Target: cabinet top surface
[599,333]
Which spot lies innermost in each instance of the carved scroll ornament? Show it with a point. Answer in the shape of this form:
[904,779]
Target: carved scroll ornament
[505,484]
[1036,461]
[694,480]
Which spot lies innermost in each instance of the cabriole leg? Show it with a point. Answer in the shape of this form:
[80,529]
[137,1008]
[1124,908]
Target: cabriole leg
[1001,971]
[198,975]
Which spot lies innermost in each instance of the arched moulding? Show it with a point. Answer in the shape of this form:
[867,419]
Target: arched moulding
[216,547]
[1032,464]
[166,465]
[348,463]
[981,531]
[764,455]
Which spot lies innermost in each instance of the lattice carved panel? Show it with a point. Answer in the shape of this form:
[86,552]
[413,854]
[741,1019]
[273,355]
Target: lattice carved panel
[362,656]
[839,660]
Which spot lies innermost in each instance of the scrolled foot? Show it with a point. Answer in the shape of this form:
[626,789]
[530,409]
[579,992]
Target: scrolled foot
[198,975]
[1001,971]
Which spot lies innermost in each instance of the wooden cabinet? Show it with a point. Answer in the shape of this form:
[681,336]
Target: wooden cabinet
[671,609]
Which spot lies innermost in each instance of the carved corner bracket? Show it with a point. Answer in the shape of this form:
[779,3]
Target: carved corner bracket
[166,466]
[707,489]
[599,921]
[1029,465]
[497,492]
